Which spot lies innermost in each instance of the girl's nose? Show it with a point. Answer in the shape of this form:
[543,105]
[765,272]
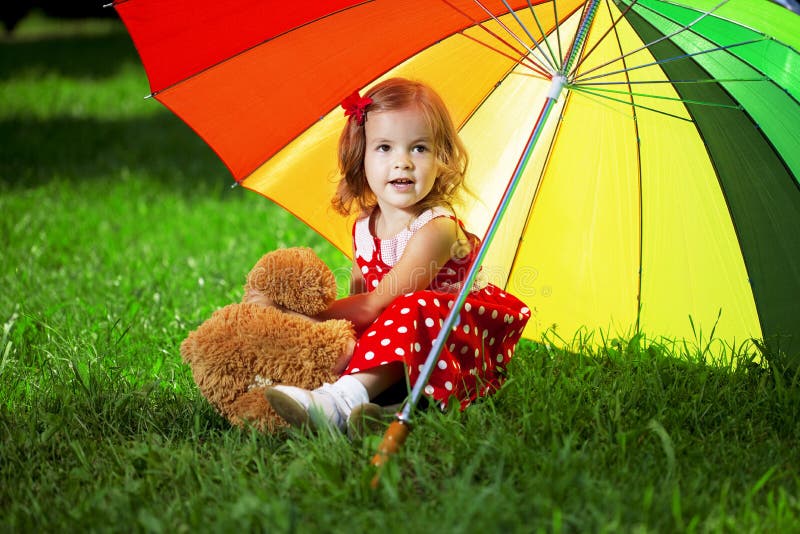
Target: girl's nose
[402,162]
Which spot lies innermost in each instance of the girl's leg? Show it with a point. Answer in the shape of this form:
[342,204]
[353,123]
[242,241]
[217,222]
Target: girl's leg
[378,379]
[331,404]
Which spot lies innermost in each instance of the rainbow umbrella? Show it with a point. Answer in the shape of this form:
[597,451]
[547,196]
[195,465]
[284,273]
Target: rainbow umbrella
[644,155]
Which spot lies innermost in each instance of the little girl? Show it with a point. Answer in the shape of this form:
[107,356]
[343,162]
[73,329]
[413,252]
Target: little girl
[402,163]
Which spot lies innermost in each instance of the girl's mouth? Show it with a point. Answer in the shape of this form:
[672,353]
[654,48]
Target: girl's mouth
[402,185]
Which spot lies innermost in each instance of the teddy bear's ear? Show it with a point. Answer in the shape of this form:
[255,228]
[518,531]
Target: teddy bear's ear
[294,278]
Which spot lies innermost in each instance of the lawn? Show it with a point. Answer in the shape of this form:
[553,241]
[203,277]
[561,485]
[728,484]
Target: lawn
[120,232]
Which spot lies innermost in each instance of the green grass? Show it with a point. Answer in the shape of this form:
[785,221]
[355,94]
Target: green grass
[119,233]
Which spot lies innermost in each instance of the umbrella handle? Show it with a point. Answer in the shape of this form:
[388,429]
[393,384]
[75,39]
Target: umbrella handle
[392,440]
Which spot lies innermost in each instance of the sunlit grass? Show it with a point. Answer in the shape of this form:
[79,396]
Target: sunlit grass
[120,232]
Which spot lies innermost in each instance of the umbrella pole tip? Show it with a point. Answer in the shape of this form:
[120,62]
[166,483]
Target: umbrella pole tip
[393,439]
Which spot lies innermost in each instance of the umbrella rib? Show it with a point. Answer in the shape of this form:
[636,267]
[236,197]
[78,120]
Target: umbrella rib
[598,91]
[602,37]
[534,65]
[544,37]
[523,61]
[628,103]
[668,60]
[660,39]
[558,33]
[551,60]
[697,80]
[516,37]
[635,114]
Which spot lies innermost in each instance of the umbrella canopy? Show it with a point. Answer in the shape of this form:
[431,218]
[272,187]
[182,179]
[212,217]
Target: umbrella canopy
[661,195]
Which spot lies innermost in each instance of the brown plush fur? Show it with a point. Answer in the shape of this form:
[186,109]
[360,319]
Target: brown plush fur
[266,339]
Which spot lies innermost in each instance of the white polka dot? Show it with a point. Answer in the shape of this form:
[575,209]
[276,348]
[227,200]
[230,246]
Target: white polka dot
[420,366]
[485,334]
[355,370]
[378,268]
[500,358]
[388,322]
[399,351]
[450,304]
[405,311]
[436,302]
[415,324]
[385,342]
[374,283]
[481,310]
[441,323]
[452,347]
[417,347]
[384,363]
[525,310]
[365,269]
[369,355]
[428,322]
[442,364]
[448,386]
[464,349]
[429,389]
[467,306]
[477,353]
[371,333]
[475,330]
[491,341]
[421,302]
[503,295]
[402,330]
[494,314]
[466,329]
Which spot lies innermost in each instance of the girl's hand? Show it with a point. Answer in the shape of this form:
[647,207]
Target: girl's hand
[256,297]
[344,359]
[253,296]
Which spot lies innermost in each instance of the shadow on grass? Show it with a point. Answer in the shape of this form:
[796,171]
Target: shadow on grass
[94,56]
[157,147]
[160,147]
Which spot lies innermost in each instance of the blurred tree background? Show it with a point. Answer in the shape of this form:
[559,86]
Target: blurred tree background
[13,11]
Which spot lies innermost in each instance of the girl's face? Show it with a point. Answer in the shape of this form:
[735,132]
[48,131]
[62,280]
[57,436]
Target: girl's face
[399,161]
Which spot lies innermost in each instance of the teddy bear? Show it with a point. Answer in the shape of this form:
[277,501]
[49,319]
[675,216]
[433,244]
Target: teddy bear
[270,338]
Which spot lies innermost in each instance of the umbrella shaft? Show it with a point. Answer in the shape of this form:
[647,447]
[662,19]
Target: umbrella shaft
[580,37]
[453,316]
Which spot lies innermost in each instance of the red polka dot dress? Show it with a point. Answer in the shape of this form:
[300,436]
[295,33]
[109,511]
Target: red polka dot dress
[481,344]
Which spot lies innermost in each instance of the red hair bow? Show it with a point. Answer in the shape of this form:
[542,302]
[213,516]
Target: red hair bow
[356,106]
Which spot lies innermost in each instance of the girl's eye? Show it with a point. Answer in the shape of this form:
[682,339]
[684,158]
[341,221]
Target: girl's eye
[382,148]
[420,148]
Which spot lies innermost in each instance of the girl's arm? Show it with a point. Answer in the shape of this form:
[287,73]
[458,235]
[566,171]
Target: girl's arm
[357,282]
[427,252]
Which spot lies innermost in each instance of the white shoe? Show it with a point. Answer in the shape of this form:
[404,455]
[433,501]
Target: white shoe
[320,408]
[365,419]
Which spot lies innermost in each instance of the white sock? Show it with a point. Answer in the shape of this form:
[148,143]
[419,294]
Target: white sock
[352,391]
